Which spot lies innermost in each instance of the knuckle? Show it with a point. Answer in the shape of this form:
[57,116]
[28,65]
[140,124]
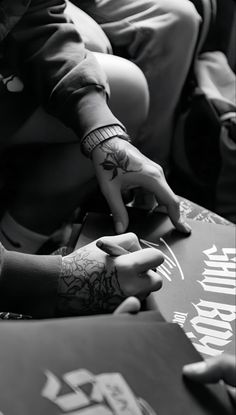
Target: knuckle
[156,172]
[160,170]
[132,237]
[132,241]
[176,202]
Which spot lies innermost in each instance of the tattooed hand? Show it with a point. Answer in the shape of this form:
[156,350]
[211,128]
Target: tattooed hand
[120,166]
[93,282]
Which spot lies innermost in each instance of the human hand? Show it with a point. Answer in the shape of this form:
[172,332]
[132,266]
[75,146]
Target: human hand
[93,282]
[120,166]
[213,370]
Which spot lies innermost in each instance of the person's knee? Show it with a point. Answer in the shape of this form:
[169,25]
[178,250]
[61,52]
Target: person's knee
[186,21]
[175,26]
[129,98]
[134,97]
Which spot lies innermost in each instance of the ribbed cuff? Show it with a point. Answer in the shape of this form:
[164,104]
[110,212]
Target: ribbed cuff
[28,283]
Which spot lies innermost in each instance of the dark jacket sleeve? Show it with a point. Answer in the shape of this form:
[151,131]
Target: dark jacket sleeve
[66,77]
[29,283]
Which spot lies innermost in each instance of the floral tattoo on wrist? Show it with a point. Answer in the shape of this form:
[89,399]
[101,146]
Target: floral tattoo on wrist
[116,158]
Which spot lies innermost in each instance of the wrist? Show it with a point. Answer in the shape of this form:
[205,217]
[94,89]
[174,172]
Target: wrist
[64,276]
[101,135]
[64,294]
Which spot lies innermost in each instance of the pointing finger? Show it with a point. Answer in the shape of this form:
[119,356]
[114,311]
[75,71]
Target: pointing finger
[130,305]
[118,210]
[128,241]
[213,370]
[146,259]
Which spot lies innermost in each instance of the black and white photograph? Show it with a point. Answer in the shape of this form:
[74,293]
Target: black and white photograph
[117,207]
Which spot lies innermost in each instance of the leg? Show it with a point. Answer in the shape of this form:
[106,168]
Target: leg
[56,177]
[123,76]
[129,99]
[160,37]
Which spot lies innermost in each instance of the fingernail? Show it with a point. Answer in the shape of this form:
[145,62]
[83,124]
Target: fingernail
[197,368]
[99,244]
[119,227]
[186,228]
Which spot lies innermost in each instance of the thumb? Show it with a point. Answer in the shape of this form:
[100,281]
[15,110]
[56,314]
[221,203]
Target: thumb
[129,305]
[213,370]
[117,207]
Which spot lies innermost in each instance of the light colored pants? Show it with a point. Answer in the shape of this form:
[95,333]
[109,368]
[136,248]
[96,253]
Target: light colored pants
[160,37]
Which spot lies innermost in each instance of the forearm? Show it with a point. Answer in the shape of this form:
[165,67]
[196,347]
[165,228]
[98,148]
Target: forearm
[65,76]
[54,286]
